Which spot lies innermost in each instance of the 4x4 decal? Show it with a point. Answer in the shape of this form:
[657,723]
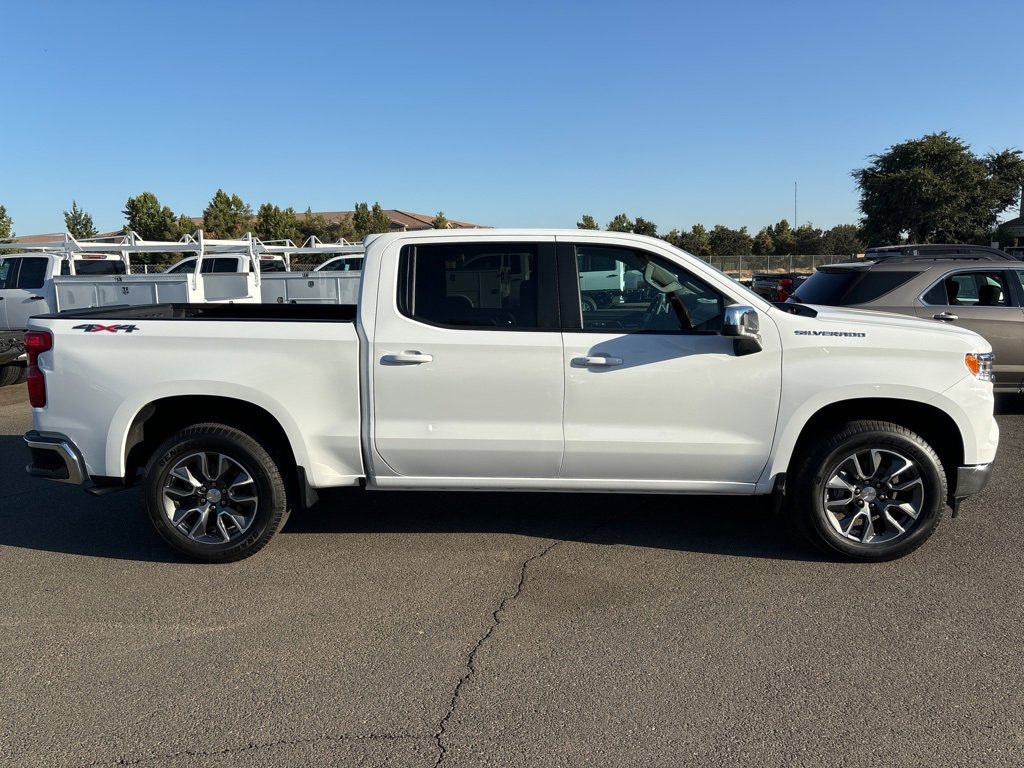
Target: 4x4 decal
[94,328]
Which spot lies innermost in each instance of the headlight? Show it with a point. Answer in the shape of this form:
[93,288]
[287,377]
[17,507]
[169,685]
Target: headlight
[980,365]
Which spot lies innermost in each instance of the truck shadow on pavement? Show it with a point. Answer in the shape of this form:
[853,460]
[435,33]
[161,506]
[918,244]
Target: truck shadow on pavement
[742,527]
[40,515]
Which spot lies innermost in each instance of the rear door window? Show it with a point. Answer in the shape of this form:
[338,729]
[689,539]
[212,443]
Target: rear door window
[969,289]
[491,286]
[33,272]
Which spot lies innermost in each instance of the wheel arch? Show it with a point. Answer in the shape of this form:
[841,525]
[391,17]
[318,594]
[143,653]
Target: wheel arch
[935,426]
[161,418]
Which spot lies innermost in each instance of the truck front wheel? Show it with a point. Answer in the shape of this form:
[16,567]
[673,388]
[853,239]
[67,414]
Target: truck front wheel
[215,494]
[872,491]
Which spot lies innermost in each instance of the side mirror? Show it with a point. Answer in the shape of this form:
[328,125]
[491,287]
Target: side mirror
[743,326]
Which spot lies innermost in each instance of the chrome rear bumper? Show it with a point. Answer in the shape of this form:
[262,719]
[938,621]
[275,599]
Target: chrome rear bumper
[55,457]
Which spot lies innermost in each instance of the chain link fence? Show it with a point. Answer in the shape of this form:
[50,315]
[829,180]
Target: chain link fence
[743,268]
[156,268]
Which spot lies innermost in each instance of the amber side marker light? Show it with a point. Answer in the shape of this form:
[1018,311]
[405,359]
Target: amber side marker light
[980,365]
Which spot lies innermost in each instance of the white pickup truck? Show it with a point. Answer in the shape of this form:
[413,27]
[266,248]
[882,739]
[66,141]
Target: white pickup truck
[862,425]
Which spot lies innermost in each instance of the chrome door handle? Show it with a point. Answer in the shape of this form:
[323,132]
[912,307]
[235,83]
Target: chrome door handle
[597,361]
[945,316]
[407,358]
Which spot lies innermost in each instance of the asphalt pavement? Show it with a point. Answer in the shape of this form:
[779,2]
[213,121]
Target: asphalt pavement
[427,629]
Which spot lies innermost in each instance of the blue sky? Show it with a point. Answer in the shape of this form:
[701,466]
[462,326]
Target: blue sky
[508,114]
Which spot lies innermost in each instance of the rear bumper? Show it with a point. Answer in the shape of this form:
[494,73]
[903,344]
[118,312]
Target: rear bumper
[971,479]
[55,457]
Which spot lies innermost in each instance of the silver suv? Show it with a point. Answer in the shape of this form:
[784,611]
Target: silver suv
[983,294]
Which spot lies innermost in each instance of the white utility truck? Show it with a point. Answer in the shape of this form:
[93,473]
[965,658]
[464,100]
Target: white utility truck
[71,274]
[862,425]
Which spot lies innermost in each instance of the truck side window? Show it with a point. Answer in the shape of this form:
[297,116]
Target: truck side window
[7,272]
[219,265]
[631,290]
[483,286]
[32,273]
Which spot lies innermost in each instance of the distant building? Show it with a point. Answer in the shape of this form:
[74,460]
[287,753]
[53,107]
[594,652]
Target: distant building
[1015,227]
[401,221]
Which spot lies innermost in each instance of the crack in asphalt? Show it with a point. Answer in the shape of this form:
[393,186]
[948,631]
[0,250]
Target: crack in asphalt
[264,745]
[496,620]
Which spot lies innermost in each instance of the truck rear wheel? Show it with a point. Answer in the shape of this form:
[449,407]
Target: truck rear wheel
[873,491]
[215,494]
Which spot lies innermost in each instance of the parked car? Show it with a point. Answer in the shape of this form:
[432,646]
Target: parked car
[982,294]
[1017,251]
[952,250]
[777,286]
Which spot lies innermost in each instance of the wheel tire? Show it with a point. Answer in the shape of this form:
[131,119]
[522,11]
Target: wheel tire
[589,303]
[251,499]
[850,500]
[11,374]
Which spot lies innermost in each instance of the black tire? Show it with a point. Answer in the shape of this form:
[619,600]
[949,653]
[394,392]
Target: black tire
[850,500]
[588,303]
[248,483]
[11,373]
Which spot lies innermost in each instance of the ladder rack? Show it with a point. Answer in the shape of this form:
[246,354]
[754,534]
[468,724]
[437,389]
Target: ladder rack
[196,243]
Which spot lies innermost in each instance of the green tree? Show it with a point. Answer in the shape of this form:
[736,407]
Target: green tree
[368,222]
[621,223]
[587,223]
[764,244]
[844,240]
[934,189]
[645,227]
[274,224]
[440,222]
[6,228]
[78,222]
[183,225]
[730,242]
[784,239]
[379,221]
[696,241]
[809,240]
[6,224]
[226,217]
[152,221]
[316,225]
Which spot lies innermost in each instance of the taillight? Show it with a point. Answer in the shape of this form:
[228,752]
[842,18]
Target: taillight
[37,342]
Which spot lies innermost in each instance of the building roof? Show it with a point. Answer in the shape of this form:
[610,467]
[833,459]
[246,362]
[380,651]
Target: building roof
[401,221]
